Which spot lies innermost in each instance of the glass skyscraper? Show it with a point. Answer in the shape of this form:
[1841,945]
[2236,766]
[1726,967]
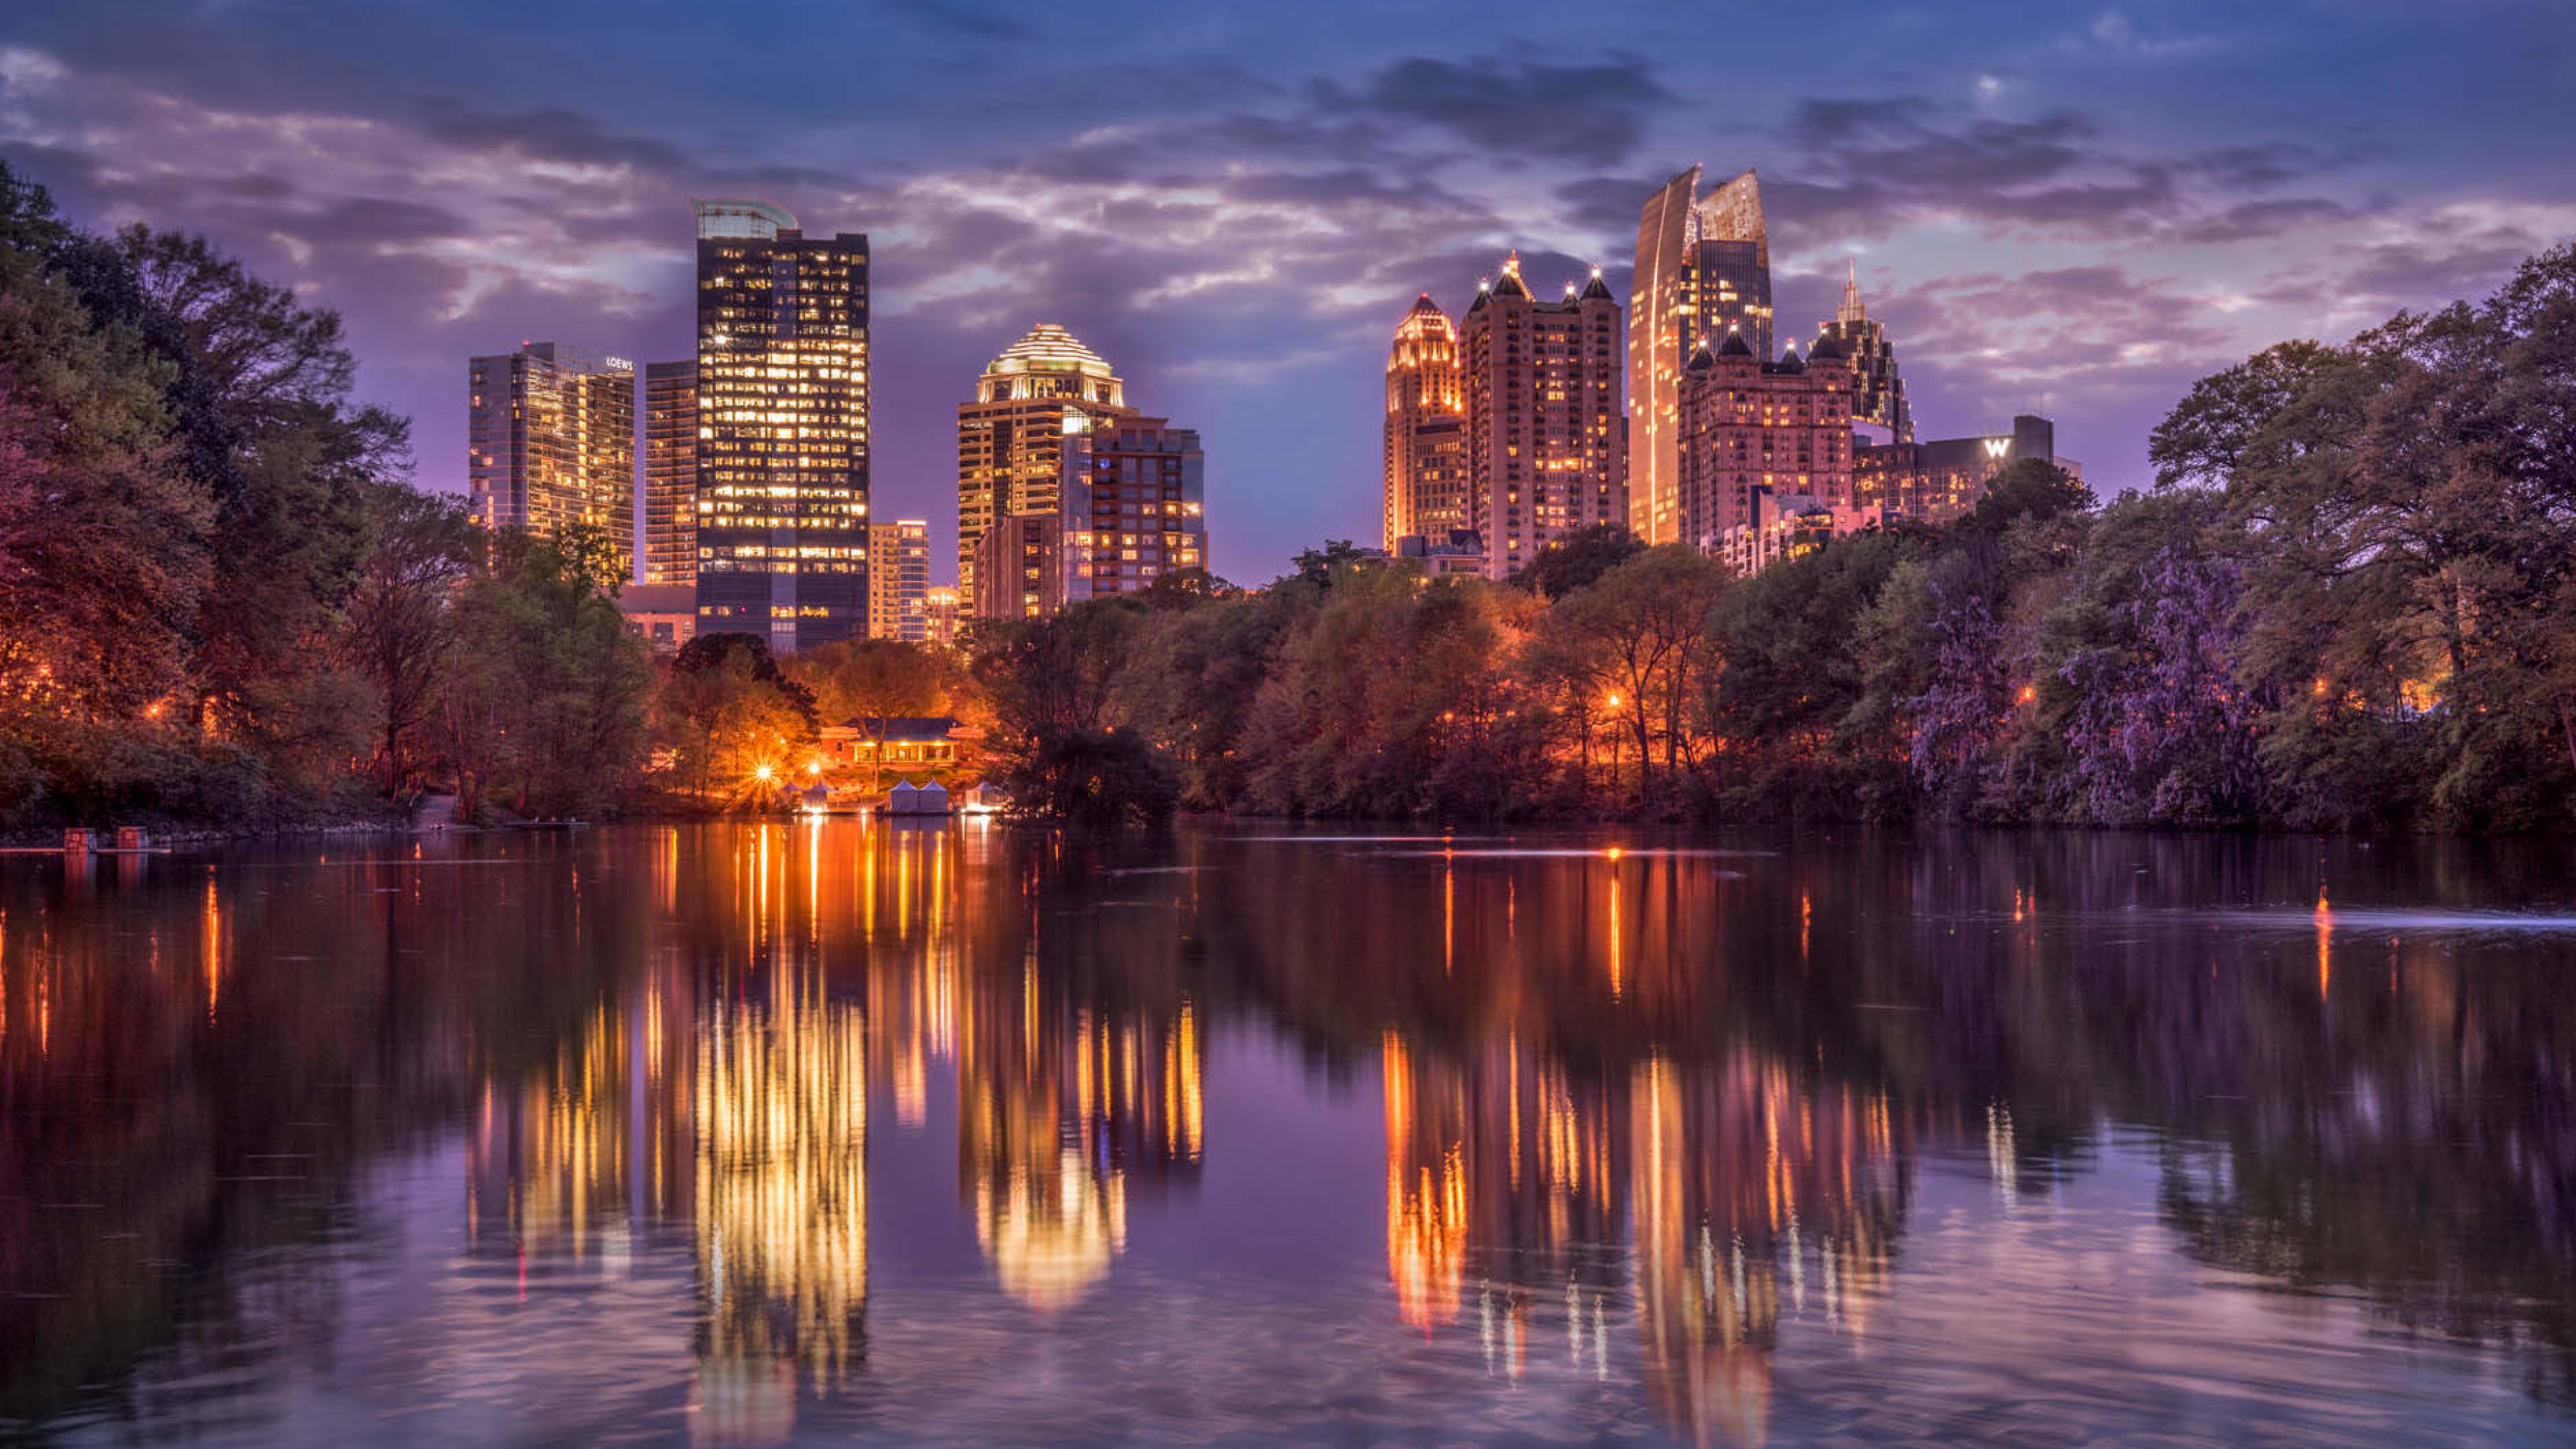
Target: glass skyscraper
[551,442]
[1703,274]
[782,466]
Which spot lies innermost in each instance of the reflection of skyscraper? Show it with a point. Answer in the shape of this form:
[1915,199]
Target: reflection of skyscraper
[552,442]
[671,472]
[1703,269]
[1426,429]
[1546,455]
[782,497]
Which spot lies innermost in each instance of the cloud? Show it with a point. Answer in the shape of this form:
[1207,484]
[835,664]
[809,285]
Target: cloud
[1592,114]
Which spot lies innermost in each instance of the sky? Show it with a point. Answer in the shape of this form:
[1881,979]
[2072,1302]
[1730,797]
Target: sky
[2067,209]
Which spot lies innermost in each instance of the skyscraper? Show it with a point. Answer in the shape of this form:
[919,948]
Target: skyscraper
[1703,271]
[1546,450]
[670,473]
[1748,428]
[1019,566]
[1426,429]
[1878,392]
[898,578]
[1010,439]
[551,442]
[782,497]
[1134,504]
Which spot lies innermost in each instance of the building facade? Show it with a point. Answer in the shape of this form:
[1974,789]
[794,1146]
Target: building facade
[1134,497]
[782,466]
[898,578]
[1751,431]
[1546,444]
[942,614]
[664,616]
[1703,272]
[1426,428]
[1019,567]
[550,436]
[1936,481]
[1879,409]
[1010,439]
[670,473]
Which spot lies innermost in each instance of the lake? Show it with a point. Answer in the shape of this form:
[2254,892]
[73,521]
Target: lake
[968,1133]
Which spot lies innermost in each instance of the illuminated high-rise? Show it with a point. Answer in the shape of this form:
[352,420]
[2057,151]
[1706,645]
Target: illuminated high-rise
[670,473]
[1703,272]
[1134,505]
[1546,448]
[1878,391]
[1426,429]
[551,442]
[898,579]
[1010,439]
[1752,429]
[782,497]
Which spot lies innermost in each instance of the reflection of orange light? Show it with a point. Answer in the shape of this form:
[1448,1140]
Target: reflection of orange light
[2325,943]
[1613,852]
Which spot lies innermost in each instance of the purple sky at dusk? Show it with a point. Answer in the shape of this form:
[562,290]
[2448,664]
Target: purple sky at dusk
[2073,210]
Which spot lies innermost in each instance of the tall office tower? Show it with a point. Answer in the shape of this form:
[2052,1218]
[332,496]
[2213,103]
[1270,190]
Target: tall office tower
[1135,506]
[1010,439]
[898,577]
[782,505]
[1750,429]
[1019,566]
[670,473]
[1878,392]
[1546,452]
[551,442]
[1703,271]
[1426,429]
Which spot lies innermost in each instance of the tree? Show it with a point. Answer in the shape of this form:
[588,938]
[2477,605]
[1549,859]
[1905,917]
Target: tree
[735,723]
[1576,560]
[1645,623]
[400,630]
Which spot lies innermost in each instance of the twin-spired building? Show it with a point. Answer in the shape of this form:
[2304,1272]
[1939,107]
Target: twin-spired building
[1534,445]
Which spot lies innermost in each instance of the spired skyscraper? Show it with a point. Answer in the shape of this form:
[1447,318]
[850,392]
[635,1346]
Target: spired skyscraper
[782,396]
[1426,429]
[550,437]
[1703,273]
[1878,392]
[1546,452]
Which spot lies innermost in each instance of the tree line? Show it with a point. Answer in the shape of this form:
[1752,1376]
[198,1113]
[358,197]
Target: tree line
[2347,603]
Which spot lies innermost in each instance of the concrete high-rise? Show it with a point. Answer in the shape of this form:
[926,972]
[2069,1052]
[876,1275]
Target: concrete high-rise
[670,473]
[1010,439]
[783,362]
[1426,429]
[550,438]
[1878,391]
[898,578]
[1546,446]
[1703,271]
[1750,429]
[1135,506]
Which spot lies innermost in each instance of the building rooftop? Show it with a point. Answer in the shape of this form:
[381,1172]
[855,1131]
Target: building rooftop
[1047,347]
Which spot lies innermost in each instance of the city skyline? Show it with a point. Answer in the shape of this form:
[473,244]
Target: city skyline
[2072,213]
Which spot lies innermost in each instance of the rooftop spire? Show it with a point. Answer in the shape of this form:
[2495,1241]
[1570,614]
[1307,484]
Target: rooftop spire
[1851,310]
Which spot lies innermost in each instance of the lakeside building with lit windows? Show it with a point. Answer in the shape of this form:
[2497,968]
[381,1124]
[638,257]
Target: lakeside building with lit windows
[898,579]
[1426,429]
[551,442]
[1546,448]
[671,473]
[782,466]
[1703,270]
[1936,481]
[1010,440]
[1750,428]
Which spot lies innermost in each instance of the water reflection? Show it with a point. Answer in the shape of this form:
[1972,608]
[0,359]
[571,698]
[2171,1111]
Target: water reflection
[1645,1128]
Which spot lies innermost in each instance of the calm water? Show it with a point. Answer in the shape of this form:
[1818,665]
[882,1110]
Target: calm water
[968,1134]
